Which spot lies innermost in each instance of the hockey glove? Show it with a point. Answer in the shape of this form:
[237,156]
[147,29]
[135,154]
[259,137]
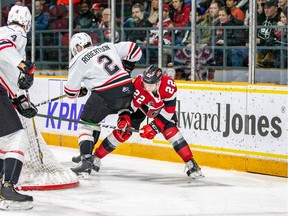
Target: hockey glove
[121,136]
[128,66]
[149,131]
[26,76]
[83,91]
[124,121]
[24,108]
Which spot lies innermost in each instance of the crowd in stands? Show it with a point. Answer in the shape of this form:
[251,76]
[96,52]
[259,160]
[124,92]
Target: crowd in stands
[221,30]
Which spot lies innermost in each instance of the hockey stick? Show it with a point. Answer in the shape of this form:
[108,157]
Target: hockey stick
[82,122]
[51,100]
[35,131]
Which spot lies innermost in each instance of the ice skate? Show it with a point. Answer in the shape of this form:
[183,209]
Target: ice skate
[76,159]
[85,166]
[96,163]
[10,199]
[194,171]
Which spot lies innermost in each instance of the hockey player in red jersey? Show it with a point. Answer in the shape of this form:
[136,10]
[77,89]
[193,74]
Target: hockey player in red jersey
[154,97]
[105,71]
[15,74]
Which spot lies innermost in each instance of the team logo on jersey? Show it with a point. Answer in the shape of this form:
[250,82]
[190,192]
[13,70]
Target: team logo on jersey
[151,104]
[125,89]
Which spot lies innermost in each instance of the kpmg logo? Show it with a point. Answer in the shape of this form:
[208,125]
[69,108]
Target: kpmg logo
[227,122]
[65,111]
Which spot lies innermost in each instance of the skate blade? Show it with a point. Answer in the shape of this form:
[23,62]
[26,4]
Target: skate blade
[82,175]
[9,205]
[95,168]
[196,175]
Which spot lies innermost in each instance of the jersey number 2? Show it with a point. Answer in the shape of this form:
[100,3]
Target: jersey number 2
[109,65]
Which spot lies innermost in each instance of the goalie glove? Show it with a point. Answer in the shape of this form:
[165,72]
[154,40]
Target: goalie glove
[124,121]
[128,66]
[26,76]
[150,130]
[24,108]
[83,91]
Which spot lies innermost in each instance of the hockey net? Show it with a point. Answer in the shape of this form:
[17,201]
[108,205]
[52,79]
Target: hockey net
[45,174]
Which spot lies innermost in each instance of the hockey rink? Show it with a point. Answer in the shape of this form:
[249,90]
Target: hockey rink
[129,186]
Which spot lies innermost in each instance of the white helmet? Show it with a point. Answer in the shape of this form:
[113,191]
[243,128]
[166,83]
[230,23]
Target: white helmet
[21,15]
[80,39]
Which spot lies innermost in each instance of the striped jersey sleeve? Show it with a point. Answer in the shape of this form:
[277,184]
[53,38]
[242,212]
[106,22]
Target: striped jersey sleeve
[129,51]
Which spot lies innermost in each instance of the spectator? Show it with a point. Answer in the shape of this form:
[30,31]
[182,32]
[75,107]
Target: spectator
[167,23]
[97,15]
[204,5]
[153,16]
[260,12]
[106,25]
[236,12]
[187,34]
[138,20]
[167,34]
[41,18]
[84,19]
[243,5]
[266,35]
[180,18]
[204,35]
[58,17]
[203,57]
[283,5]
[282,40]
[229,37]
[45,6]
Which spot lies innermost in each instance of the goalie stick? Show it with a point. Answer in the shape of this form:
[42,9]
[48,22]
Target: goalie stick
[35,131]
[51,100]
[82,122]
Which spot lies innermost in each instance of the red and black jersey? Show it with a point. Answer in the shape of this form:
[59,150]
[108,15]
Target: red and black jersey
[161,104]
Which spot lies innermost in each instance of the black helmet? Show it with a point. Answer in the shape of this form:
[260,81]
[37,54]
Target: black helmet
[152,75]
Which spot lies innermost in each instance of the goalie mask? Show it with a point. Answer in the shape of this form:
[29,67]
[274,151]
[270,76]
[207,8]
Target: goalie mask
[79,40]
[21,15]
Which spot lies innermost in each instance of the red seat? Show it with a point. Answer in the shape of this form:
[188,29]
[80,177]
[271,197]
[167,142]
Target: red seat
[65,39]
[58,11]
[59,24]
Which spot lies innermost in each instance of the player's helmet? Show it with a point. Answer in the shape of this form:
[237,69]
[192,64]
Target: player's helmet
[152,75]
[21,15]
[80,39]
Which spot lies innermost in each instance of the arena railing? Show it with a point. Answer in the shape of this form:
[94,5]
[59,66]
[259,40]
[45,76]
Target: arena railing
[52,53]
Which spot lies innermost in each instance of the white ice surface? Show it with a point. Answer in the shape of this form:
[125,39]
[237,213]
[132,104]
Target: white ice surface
[129,186]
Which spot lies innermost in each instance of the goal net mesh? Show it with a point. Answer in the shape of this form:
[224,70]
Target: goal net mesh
[45,174]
